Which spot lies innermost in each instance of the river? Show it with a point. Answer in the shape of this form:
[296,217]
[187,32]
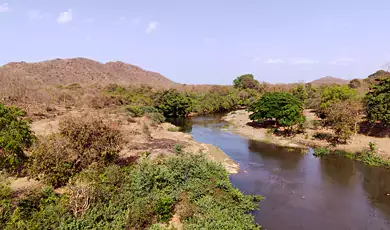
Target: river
[300,190]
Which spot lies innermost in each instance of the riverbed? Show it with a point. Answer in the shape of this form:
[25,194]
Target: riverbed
[300,190]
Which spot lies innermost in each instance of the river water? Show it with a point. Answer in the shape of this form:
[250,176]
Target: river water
[300,190]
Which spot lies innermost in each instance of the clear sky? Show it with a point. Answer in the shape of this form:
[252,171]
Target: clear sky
[205,41]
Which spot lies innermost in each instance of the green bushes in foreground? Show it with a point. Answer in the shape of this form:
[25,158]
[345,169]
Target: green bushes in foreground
[15,136]
[140,196]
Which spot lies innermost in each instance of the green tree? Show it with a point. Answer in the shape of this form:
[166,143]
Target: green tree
[15,135]
[300,93]
[343,117]
[377,102]
[173,104]
[246,81]
[284,107]
[336,93]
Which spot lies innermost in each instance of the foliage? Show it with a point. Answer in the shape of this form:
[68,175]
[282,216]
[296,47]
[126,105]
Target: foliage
[79,144]
[52,161]
[15,135]
[245,81]
[174,129]
[178,149]
[321,152]
[141,196]
[284,107]
[135,111]
[156,118]
[173,104]
[343,117]
[300,93]
[5,201]
[333,94]
[354,84]
[377,102]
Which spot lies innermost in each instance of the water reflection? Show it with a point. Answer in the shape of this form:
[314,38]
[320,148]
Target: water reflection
[376,184]
[302,191]
[287,159]
[338,169]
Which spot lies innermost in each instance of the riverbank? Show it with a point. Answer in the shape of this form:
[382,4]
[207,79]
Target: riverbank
[239,121]
[142,136]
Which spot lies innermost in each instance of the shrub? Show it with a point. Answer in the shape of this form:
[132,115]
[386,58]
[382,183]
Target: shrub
[80,143]
[174,129]
[15,135]
[136,197]
[343,117]
[52,161]
[178,149]
[134,110]
[5,201]
[156,118]
[92,139]
[322,151]
[164,209]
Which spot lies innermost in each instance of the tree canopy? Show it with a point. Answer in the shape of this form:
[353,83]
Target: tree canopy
[336,93]
[343,117]
[300,93]
[284,107]
[377,102]
[246,81]
[173,104]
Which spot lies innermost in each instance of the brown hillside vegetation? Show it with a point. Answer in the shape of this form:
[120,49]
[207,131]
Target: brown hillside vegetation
[329,81]
[66,80]
[81,71]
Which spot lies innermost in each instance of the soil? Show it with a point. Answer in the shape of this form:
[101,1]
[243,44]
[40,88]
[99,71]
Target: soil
[240,124]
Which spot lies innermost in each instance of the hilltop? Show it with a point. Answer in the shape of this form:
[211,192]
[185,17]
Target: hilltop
[329,81]
[79,70]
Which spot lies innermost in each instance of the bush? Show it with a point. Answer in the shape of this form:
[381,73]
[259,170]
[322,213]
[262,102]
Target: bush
[174,129]
[134,110]
[15,136]
[5,201]
[156,118]
[80,143]
[136,197]
[343,117]
[318,152]
[92,139]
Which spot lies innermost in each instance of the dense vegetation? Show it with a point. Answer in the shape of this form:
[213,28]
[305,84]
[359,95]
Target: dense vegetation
[285,108]
[139,196]
[15,136]
[378,102]
[100,192]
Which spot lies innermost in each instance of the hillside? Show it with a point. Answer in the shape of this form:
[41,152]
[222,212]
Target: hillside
[79,70]
[329,81]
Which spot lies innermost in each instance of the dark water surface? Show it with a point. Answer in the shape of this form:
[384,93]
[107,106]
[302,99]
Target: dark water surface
[301,191]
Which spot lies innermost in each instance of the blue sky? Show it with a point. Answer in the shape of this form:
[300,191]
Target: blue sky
[202,41]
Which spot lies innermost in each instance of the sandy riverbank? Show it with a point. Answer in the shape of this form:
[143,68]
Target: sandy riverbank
[239,121]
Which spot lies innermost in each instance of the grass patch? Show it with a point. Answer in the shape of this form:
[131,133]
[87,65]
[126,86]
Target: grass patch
[174,129]
[367,157]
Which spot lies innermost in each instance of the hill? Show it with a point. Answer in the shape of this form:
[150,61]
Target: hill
[329,81]
[79,70]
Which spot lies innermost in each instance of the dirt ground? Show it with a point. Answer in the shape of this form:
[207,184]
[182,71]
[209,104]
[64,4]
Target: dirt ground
[240,119]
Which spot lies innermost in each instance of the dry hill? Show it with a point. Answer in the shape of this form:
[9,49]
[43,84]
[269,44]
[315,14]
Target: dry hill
[329,81]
